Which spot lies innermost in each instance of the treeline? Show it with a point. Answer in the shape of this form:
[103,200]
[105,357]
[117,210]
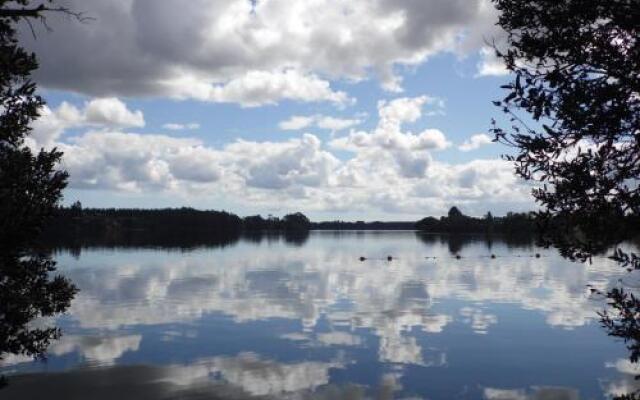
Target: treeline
[457,222]
[182,227]
[188,227]
[290,222]
[516,225]
[173,227]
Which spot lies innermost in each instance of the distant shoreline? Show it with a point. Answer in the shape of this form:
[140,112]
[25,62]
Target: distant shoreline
[111,221]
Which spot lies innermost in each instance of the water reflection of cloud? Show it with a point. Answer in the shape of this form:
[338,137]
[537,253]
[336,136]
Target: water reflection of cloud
[400,349]
[393,300]
[536,393]
[326,339]
[101,350]
[244,376]
[255,375]
[93,349]
[626,383]
[14,359]
[338,338]
[478,319]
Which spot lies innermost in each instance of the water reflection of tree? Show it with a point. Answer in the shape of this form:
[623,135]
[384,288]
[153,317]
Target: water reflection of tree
[295,238]
[621,318]
[457,242]
[26,293]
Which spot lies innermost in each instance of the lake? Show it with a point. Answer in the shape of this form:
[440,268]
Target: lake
[278,318]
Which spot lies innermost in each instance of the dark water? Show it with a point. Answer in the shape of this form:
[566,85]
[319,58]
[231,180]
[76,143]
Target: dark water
[307,320]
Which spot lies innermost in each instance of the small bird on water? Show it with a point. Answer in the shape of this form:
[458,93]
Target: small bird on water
[389,258]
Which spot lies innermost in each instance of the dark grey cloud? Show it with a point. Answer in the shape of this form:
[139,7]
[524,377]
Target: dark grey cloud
[216,50]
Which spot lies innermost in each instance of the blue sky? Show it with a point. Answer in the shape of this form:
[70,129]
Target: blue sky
[371,109]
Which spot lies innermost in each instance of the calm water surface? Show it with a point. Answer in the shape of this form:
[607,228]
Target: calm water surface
[308,320]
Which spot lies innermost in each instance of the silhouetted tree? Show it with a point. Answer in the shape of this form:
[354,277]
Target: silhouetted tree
[78,227]
[169,227]
[30,188]
[576,75]
[513,224]
[428,224]
[454,213]
[296,222]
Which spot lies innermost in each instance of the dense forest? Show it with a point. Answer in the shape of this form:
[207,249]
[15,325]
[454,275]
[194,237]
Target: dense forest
[182,227]
[139,227]
[457,222]
[75,228]
[188,227]
[171,224]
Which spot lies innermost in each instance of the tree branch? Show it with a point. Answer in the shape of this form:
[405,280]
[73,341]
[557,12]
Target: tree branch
[22,12]
[38,12]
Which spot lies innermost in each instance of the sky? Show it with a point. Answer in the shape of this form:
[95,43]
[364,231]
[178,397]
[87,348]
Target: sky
[340,109]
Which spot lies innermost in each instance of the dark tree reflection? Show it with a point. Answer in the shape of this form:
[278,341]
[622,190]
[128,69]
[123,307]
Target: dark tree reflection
[27,292]
[296,238]
[457,242]
[621,318]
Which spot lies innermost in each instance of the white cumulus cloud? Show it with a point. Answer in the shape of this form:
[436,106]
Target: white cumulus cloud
[252,53]
[101,112]
[133,162]
[490,64]
[409,151]
[297,122]
[387,170]
[475,142]
[259,88]
[172,126]
[278,165]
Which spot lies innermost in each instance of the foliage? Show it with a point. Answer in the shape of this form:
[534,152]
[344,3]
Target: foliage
[576,74]
[574,104]
[456,222]
[78,227]
[290,222]
[30,187]
[454,213]
[109,227]
[296,222]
